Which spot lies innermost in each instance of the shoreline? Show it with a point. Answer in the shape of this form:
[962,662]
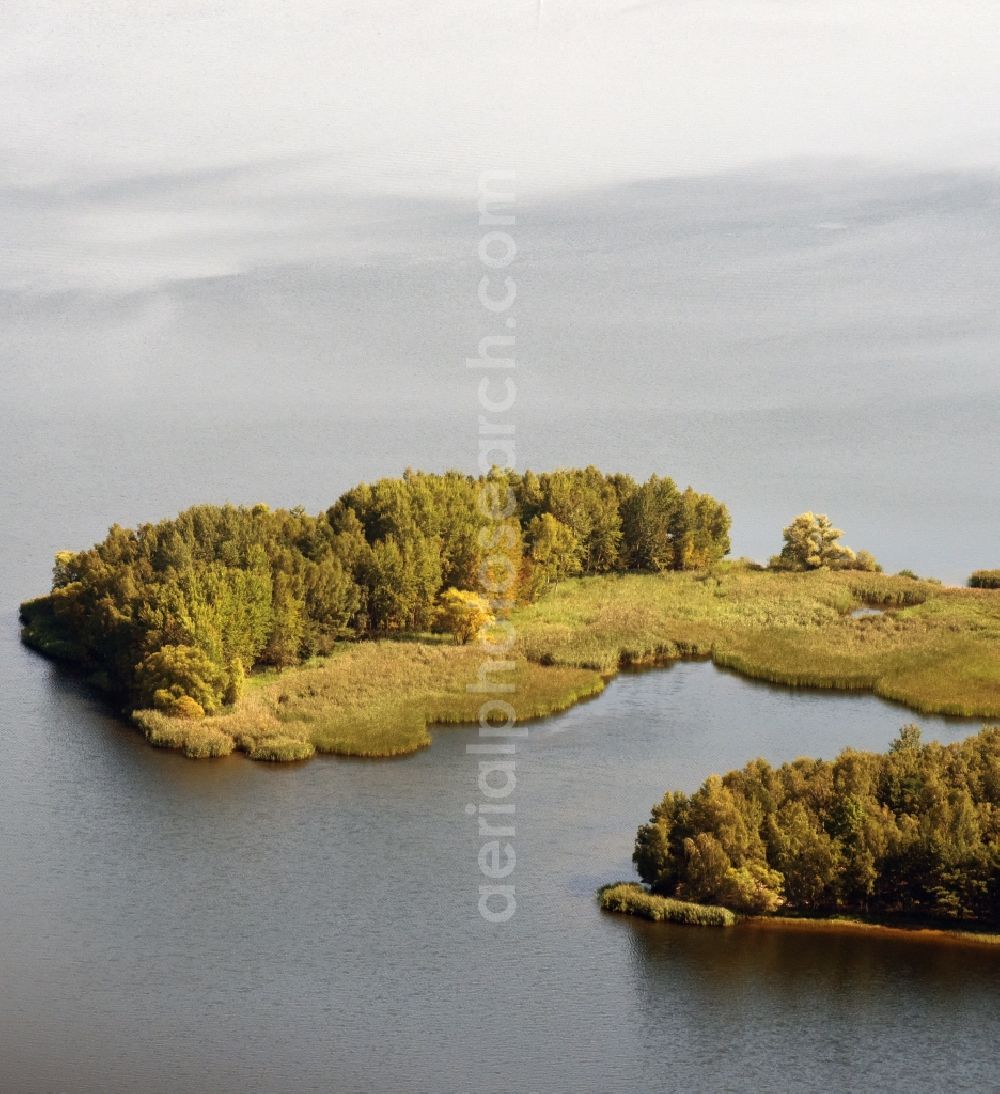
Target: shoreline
[561,705]
[630,898]
[930,652]
[846,925]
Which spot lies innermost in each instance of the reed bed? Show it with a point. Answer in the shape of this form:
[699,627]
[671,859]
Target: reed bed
[374,700]
[628,898]
[280,749]
[935,649]
[198,740]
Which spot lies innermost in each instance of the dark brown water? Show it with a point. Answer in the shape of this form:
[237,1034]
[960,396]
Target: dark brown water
[168,925]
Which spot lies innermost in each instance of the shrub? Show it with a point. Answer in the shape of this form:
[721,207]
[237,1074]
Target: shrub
[812,543]
[235,683]
[172,671]
[865,560]
[985,579]
[754,889]
[749,565]
[186,707]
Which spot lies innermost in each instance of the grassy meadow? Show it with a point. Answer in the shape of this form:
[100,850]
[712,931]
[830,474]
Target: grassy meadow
[370,699]
[933,648]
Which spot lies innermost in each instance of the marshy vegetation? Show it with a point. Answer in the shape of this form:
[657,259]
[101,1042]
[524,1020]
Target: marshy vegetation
[299,634]
[935,649]
[627,898]
[369,699]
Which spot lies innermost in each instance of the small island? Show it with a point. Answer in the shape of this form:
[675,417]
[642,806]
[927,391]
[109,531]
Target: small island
[910,835]
[281,634]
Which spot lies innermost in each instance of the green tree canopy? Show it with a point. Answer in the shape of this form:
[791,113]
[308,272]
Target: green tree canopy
[188,606]
[554,553]
[912,831]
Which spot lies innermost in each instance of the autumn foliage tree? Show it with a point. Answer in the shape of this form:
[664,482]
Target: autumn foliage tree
[464,614]
[554,553]
[813,543]
[172,674]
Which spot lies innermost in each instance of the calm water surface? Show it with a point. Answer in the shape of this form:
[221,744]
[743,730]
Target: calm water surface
[168,925]
[818,339]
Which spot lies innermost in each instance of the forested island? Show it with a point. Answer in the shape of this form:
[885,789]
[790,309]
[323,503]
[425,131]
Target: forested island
[913,833]
[279,634]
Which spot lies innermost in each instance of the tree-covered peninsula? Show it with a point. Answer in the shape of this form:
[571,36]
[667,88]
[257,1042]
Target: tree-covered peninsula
[279,633]
[910,833]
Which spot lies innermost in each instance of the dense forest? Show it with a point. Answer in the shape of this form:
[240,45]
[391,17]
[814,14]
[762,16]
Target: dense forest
[174,614]
[911,832]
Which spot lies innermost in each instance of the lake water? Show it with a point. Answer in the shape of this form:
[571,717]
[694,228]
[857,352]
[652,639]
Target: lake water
[822,338]
[171,925]
[807,339]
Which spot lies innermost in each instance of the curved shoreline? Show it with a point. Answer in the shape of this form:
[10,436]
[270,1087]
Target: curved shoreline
[600,680]
[593,691]
[933,651]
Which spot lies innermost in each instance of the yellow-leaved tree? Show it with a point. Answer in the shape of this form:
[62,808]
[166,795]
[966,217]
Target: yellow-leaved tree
[463,613]
[812,543]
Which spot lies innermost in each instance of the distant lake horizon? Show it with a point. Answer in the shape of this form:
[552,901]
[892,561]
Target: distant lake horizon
[820,337]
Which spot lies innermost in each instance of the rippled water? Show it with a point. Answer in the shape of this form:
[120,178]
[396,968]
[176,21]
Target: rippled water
[170,925]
